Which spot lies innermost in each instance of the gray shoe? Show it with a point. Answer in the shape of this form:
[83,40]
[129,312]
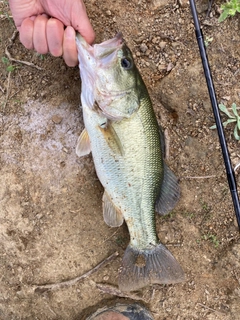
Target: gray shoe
[122,312]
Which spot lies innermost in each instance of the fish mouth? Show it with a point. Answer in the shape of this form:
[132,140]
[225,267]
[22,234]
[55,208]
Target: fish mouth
[102,50]
[107,47]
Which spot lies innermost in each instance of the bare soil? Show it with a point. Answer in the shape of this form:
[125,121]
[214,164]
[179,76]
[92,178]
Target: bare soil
[51,225]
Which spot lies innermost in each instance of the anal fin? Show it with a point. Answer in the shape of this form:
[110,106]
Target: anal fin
[111,214]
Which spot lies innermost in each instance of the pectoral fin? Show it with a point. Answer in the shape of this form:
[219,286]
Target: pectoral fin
[112,138]
[111,214]
[83,145]
[170,192]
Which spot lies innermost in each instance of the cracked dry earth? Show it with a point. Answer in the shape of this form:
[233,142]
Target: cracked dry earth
[51,225]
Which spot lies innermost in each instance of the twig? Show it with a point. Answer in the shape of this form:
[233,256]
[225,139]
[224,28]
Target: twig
[198,177]
[210,2]
[30,64]
[113,234]
[1,88]
[68,283]
[3,16]
[14,94]
[206,307]
[106,288]
[101,243]
[174,244]
[236,167]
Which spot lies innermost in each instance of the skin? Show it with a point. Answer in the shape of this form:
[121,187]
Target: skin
[49,26]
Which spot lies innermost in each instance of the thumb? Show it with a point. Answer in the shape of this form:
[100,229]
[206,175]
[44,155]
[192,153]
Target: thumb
[80,21]
[74,14]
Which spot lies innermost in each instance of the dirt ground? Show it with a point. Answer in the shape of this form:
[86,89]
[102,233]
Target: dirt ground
[51,225]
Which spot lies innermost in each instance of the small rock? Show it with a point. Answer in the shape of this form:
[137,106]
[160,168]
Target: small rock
[161,67]
[108,13]
[226,98]
[154,40]
[64,149]
[39,216]
[57,119]
[170,66]
[183,3]
[158,4]
[162,44]
[202,6]
[143,47]
[62,164]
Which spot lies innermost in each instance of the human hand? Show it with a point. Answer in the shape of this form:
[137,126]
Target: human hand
[41,26]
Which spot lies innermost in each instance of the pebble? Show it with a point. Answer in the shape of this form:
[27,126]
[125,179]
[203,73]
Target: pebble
[143,47]
[202,6]
[154,40]
[170,66]
[159,4]
[162,44]
[65,150]
[183,3]
[161,67]
[57,119]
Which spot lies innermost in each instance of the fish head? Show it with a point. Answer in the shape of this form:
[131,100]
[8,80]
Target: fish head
[110,76]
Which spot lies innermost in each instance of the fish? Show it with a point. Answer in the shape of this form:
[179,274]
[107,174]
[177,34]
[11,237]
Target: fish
[127,146]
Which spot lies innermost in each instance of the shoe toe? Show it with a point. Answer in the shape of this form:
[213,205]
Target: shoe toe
[122,312]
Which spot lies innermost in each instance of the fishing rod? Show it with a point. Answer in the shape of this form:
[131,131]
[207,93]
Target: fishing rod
[229,170]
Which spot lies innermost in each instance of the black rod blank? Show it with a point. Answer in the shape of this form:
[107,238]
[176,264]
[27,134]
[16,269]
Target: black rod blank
[211,90]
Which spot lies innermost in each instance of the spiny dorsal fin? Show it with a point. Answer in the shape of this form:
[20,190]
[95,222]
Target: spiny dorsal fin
[111,214]
[170,192]
[83,145]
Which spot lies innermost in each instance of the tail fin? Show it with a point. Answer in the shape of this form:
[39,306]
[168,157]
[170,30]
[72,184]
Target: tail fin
[144,267]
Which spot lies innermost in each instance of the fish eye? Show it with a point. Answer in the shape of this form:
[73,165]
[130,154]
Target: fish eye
[126,63]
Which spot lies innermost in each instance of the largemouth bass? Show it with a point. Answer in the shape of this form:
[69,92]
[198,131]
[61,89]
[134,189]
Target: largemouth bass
[123,135]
